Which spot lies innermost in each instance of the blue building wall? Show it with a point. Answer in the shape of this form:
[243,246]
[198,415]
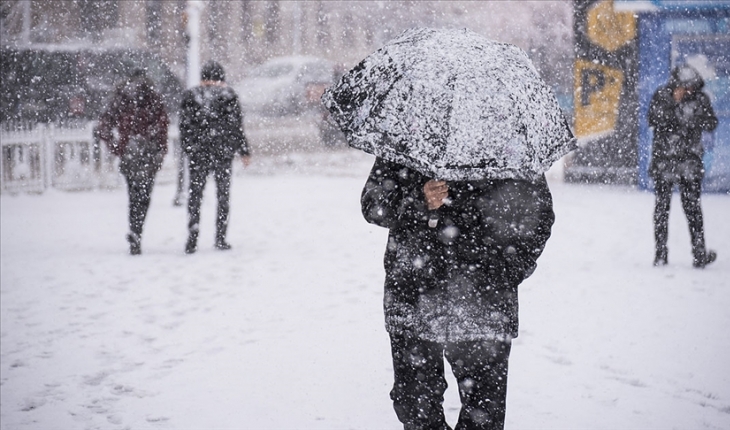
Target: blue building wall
[672,33]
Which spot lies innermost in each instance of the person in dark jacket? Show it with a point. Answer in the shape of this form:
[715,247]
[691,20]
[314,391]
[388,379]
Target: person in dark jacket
[211,132]
[456,253]
[138,115]
[679,112]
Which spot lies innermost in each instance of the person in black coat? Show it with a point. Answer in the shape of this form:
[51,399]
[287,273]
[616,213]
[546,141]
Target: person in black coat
[211,133]
[679,112]
[456,253]
[137,114]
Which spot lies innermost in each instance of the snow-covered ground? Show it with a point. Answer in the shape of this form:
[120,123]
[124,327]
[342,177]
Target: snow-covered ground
[285,330]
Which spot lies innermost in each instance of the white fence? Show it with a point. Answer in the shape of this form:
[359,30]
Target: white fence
[39,156]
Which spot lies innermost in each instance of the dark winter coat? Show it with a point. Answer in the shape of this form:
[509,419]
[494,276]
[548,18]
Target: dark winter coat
[138,114]
[211,124]
[456,281]
[677,146]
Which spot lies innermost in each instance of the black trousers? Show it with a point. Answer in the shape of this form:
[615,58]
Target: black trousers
[199,171]
[480,368]
[689,192]
[139,188]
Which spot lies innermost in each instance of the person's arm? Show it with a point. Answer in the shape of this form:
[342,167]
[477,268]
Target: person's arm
[529,206]
[651,115]
[543,229]
[187,126]
[237,134]
[234,117]
[160,127]
[706,118]
[104,129]
[659,113]
[394,196]
[381,195]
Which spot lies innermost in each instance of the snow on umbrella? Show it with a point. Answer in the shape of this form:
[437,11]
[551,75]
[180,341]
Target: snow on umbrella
[452,105]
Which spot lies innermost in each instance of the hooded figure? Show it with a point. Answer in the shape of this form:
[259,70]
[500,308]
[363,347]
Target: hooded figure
[138,115]
[456,253]
[679,112]
[211,133]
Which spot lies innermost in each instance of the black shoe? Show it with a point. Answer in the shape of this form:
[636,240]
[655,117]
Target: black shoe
[191,246]
[135,247]
[660,259]
[222,245]
[709,257]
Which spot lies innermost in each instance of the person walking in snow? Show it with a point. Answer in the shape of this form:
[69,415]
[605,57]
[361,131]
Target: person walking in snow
[463,129]
[138,116]
[679,112]
[456,253]
[211,133]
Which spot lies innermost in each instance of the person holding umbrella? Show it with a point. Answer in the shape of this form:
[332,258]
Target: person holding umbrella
[462,129]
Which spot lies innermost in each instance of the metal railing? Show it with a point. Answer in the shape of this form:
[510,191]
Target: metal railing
[36,157]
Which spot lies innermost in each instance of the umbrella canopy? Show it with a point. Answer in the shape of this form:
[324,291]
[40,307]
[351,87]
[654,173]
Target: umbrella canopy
[452,105]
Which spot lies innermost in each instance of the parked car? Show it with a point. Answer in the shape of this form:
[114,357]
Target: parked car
[284,86]
[55,85]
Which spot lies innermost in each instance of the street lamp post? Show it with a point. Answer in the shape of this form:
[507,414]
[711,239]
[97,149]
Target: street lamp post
[193,10]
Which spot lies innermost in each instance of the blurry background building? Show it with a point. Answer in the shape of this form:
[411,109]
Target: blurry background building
[61,59]
[603,58]
[243,34]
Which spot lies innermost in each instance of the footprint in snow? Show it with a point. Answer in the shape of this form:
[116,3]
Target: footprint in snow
[559,360]
[629,381]
[96,379]
[32,404]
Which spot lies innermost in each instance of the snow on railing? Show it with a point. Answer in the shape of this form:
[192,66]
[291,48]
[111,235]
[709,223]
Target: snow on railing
[23,155]
[64,156]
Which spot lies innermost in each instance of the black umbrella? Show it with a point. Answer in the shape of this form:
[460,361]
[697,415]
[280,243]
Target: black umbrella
[452,105]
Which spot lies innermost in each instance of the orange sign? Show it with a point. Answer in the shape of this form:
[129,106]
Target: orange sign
[609,29]
[597,98]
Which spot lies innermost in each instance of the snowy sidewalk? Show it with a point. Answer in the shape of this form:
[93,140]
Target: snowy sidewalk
[285,330]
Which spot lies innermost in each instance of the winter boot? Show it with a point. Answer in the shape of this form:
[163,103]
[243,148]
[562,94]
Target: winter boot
[192,244]
[704,259]
[221,244]
[221,226]
[135,246]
